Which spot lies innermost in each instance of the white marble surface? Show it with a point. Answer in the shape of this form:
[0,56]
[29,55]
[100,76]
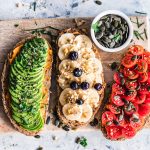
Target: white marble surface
[63,8]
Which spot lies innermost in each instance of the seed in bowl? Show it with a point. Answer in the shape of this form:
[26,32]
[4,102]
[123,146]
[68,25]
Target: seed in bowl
[111,31]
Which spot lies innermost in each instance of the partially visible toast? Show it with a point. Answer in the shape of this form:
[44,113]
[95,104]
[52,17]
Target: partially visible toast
[77,124]
[6,97]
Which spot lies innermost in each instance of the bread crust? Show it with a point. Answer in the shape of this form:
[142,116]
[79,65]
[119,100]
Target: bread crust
[76,124]
[6,98]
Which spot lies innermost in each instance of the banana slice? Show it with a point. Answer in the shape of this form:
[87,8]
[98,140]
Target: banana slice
[87,53]
[83,41]
[64,80]
[68,95]
[92,98]
[72,111]
[87,113]
[96,64]
[68,66]
[65,50]
[67,38]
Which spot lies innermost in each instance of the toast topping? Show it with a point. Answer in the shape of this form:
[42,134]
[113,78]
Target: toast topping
[79,71]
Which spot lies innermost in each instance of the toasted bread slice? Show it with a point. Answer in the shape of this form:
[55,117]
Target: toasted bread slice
[6,96]
[73,123]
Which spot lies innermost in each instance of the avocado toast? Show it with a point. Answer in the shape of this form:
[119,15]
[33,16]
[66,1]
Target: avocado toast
[80,80]
[25,84]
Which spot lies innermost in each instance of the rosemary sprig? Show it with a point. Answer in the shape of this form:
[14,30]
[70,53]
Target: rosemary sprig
[145,33]
[142,13]
[138,35]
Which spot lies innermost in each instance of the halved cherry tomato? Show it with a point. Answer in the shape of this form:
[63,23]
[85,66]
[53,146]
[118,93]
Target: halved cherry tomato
[107,116]
[118,78]
[114,132]
[130,108]
[146,56]
[117,100]
[147,100]
[113,108]
[144,109]
[143,77]
[148,80]
[142,66]
[129,95]
[131,85]
[136,50]
[116,88]
[136,121]
[128,131]
[131,74]
[140,98]
[143,90]
[129,61]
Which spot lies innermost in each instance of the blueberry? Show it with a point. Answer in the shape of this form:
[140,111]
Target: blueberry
[77,72]
[74,85]
[98,86]
[73,55]
[84,85]
[79,101]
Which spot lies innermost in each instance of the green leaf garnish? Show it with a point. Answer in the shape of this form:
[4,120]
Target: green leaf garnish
[83,142]
[96,27]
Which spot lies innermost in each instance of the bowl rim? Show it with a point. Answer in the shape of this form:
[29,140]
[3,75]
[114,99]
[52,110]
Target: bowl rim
[121,14]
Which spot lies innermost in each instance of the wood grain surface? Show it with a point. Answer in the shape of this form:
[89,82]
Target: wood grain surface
[10,35]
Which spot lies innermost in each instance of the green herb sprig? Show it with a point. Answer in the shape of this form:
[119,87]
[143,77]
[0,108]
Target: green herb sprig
[82,141]
[96,27]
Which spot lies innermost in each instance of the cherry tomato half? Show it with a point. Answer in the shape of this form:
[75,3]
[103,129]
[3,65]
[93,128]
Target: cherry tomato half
[114,132]
[130,108]
[117,100]
[128,61]
[131,85]
[136,121]
[143,77]
[117,89]
[113,108]
[131,94]
[140,98]
[142,66]
[128,131]
[136,50]
[144,109]
[146,56]
[131,74]
[107,116]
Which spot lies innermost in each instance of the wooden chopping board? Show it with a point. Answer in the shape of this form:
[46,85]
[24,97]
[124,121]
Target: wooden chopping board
[10,35]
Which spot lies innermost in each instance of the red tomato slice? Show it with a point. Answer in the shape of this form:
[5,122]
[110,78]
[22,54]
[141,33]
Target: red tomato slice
[117,89]
[148,80]
[147,100]
[144,109]
[136,121]
[114,132]
[117,100]
[128,61]
[143,90]
[128,131]
[140,98]
[113,108]
[107,116]
[142,66]
[143,77]
[118,78]
[129,95]
[131,85]
[146,56]
[136,50]
[130,108]
[131,74]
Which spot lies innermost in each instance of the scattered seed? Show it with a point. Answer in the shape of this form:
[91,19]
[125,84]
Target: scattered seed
[39,148]
[37,136]
[94,122]
[66,127]
[48,120]
[54,138]
[98,2]
[16,25]
[77,140]
[114,66]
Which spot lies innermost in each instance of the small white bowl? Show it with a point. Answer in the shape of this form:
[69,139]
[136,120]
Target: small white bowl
[118,13]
